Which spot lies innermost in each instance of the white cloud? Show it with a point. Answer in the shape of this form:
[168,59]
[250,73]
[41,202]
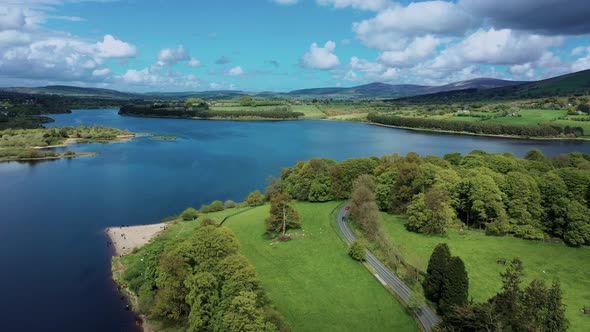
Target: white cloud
[582,63]
[418,50]
[101,72]
[11,18]
[578,50]
[496,47]
[374,5]
[285,2]
[170,56]
[111,47]
[236,71]
[321,57]
[193,62]
[395,27]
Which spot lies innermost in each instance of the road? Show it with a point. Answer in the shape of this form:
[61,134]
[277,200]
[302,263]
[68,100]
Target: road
[426,315]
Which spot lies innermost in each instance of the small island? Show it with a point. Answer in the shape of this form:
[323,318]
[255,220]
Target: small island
[35,144]
[196,108]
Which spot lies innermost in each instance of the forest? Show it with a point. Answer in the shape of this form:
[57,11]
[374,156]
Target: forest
[477,127]
[200,109]
[201,283]
[535,198]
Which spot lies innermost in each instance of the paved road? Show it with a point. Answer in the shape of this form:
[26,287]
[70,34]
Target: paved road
[427,317]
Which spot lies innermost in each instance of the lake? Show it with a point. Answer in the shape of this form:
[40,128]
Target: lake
[55,266]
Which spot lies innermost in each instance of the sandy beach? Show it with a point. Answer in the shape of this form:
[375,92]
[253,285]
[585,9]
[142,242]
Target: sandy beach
[126,238]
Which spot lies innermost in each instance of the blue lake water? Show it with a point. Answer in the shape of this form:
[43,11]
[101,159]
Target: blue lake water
[54,263]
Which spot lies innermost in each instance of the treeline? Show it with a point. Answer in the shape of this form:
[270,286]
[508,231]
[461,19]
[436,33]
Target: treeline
[477,127]
[182,112]
[534,198]
[201,284]
[534,308]
[23,111]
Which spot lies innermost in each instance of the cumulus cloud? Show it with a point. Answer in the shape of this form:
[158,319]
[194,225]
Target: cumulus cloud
[321,57]
[395,27]
[11,18]
[170,56]
[551,17]
[374,5]
[583,62]
[193,62]
[111,47]
[418,50]
[30,51]
[236,71]
[496,47]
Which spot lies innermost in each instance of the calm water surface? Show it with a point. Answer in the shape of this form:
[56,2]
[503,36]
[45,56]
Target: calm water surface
[54,264]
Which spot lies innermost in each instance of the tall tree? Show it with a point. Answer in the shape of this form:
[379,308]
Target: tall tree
[437,265]
[455,286]
[282,215]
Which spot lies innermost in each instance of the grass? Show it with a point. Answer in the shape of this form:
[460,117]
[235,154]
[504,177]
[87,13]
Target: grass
[480,253]
[464,118]
[532,117]
[312,280]
[310,111]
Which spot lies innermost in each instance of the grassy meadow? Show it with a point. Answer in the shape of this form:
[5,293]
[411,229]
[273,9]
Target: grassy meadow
[312,280]
[480,253]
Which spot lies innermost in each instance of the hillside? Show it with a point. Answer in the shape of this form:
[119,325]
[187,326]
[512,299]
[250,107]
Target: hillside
[569,84]
[384,90]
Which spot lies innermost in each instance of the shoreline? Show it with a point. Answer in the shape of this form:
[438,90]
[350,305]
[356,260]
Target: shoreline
[481,135]
[70,140]
[126,238]
[122,241]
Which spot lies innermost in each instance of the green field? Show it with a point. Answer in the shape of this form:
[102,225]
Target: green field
[464,118]
[480,253]
[310,111]
[312,280]
[532,117]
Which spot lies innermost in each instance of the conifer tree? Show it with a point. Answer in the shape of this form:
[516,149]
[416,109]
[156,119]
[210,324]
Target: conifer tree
[435,272]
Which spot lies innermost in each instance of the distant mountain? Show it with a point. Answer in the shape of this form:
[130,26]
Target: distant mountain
[569,84]
[384,90]
[74,91]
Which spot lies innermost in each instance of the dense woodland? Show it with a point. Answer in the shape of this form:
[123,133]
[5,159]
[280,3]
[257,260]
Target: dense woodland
[477,127]
[20,110]
[202,284]
[534,198]
[201,110]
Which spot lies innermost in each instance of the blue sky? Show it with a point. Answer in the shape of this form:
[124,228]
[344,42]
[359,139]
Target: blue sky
[281,45]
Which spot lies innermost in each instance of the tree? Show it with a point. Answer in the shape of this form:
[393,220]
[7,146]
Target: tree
[170,299]
[282,215]
[535,154]
[455,286]
[209,245]
[555,319]
[430,212]
[189,214]
[509,300]
[203,298]
[255,198]
[243,315]
[357,251]
[437,266]
[363,205]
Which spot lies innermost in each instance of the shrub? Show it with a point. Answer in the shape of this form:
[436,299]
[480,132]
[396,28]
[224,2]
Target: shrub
[229,204]
[357,251]
[189,214]
[255,198]
[213,207]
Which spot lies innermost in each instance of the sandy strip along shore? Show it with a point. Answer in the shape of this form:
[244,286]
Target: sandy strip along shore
[126,238]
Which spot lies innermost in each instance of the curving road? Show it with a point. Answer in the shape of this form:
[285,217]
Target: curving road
[426,316]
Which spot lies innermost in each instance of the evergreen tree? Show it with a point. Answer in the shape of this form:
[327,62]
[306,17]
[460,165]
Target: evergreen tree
[437,266]
[555,320]
[455,287]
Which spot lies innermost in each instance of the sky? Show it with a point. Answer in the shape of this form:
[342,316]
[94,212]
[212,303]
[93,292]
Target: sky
[283,45]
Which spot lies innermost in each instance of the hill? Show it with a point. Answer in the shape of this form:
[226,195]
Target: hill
[384,90]
[570,84]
